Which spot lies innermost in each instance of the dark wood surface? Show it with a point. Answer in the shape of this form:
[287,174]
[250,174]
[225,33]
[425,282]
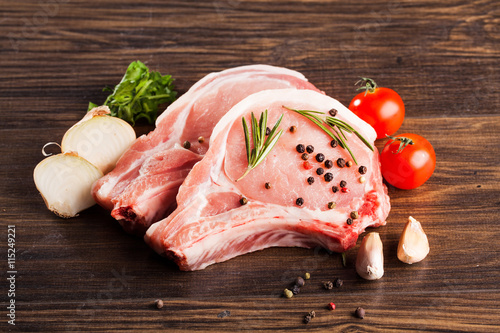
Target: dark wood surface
[86,274]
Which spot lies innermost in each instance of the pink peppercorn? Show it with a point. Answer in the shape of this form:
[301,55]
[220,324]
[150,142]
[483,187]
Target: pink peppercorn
[344,190]
[307,165]
[331,306]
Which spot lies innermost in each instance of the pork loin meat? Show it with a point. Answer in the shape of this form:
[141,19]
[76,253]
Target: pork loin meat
[210,223]
[142,188]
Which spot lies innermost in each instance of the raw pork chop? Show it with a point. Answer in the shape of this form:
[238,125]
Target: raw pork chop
[142,188]
[210,223]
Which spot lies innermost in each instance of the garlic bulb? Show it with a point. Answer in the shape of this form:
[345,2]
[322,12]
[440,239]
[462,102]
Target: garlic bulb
[99,138]
[413,244]
[64,181]
[370,259]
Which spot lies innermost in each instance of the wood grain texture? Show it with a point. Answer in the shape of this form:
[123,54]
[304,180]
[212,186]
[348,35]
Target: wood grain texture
[86,274]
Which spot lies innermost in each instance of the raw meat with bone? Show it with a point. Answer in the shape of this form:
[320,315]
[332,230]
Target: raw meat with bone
[142,188]
[210,224]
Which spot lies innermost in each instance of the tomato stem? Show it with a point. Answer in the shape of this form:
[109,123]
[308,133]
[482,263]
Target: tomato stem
[403,142]
[366,84]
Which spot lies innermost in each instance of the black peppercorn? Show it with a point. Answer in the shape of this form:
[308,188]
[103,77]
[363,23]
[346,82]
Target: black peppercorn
[299,281]
[343,183]
[307,319]
[310,149]
[310,180]
[320,157]
[268,185]
[335,189]
[186,144]
[328,177]
[328,164]
[304,156]
[268,131]
[299,201]
[295,289]
[320,171]
[338,282]
[349,221]
[360,312]
[333,143]
[362,169]
[243,201]
[341,162]
[293,129]
[332,112]
[300,148]
[331,205]
[328,285]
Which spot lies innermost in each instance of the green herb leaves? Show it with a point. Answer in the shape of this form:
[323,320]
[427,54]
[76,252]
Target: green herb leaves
[334,127]
[139,94]
[262,145]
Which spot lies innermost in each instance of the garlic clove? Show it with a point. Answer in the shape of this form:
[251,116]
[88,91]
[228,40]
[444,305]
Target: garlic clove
[65,181]
[99,138]
[413,244]
[370,258]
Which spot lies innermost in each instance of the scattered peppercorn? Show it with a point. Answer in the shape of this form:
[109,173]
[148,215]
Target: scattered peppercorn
[299,201]
[307,319]
[300,148]
[186,144]
[334,143]
[333,112]
[348,164]
[362,169]
[310,149]
[354,215]
[159,303]
[304,156]
[360,312]
[293,129]
[320,157]
[243,201]
[287,293]
[295,289]
[335,189]
[343,183]
[307,165]
[307,276]
[331,306]
[268,185]
[341,162]
[299,281]
[332,205]
[349,221]
[312,314]
[344,190]
[223,314]
[362,179]
[320,171]
[201,139]
[268,131]
[328,164]
[310,180]
[328,285]
[338,283]
[328,177]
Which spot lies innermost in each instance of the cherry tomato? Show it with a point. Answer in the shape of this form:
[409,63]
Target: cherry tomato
[407,161]
[382,108]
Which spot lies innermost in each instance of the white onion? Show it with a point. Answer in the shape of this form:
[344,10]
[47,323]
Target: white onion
[99,138]
[370,259]
[65,181]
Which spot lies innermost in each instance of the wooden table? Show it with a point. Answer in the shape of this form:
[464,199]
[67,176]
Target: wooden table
[86,274]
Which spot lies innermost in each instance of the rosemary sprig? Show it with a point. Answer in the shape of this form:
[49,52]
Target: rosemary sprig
[333,127]
[262,146]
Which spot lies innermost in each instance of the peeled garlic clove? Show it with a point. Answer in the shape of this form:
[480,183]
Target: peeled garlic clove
[99,138]
[65,181]
[413,244]
[370,259]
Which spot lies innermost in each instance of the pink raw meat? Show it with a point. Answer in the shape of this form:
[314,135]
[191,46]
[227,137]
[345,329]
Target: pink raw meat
[142,188]
[210,224]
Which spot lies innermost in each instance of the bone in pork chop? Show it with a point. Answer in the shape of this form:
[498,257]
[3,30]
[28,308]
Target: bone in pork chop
[142,188]
[211,225]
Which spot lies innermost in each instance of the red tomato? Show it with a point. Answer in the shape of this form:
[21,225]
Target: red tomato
[382,108]
[412,165]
